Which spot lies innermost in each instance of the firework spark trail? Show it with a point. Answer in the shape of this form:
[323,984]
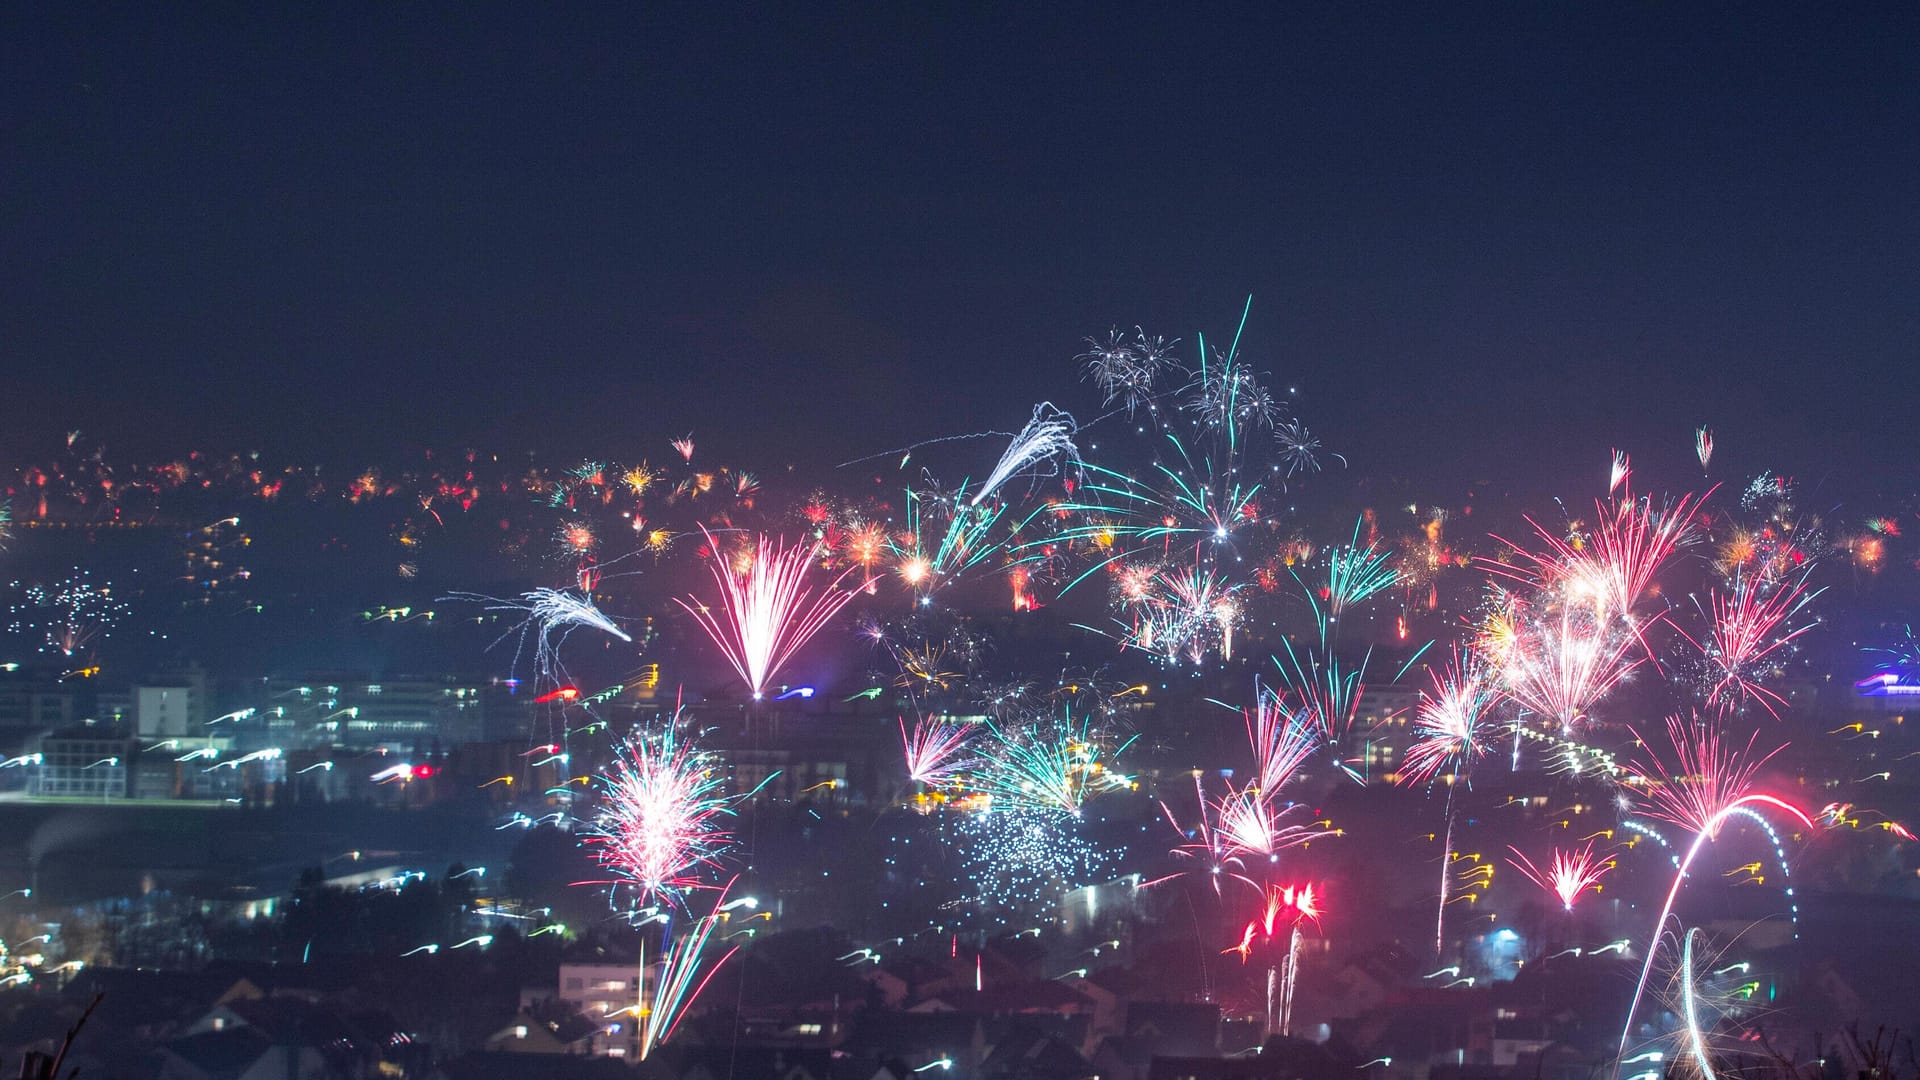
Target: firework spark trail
[1621,472]
[659,822]
[1355,573]
[1252,821]
[1047,437]
[1630,545]
[1194,609]
[1451,733]
[1286,908]
[680,979]
[1450,729]
[767,609]
[1056,765]
[1749,625]
[1196,489]
[1708,775]
[1689,1008]
[551,615]
[932,749]
[1330,691]
[1703,447]
[1902,659]
[1709,784]
[964,539]
[1559,666]
[1282,740]
[1568,875]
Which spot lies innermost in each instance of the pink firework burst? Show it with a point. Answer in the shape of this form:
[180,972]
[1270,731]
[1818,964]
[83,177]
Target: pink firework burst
[768,611]
[1568,875]
[659,825]
[1751,625]
[1610,571]
[1707,776]
[1282,741]
[1450,726]
[1561,664]
[932,749]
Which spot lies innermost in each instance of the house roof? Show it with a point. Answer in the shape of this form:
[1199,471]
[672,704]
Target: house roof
[221,1055]
[501,1065]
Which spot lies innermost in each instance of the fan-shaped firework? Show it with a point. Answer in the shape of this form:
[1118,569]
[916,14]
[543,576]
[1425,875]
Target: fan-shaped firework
[933,749]
[1355,573]
[767,607]
[1568,874]
[1054,763]
[684,972]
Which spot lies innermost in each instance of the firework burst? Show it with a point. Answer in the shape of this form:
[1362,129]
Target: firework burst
[1568,875]
[1752,627]
[550,616]
[1127,369]
[1451,724]
[68,617]
[933,748]
[660,821]
[1043,447]
[768,610]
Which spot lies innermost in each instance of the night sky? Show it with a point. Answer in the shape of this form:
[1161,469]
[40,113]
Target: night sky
[1480,241]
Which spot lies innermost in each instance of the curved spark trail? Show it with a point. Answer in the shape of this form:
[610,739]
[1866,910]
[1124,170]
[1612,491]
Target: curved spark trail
[1048,436]
[1709,828]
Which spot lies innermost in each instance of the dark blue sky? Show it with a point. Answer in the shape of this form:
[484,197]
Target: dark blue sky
[1481,240]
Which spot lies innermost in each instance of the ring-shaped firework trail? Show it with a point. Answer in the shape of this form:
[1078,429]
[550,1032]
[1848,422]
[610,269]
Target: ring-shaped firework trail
[1711,784]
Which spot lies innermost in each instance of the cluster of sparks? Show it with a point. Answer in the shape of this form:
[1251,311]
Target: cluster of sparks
[69,616]
[659,827]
